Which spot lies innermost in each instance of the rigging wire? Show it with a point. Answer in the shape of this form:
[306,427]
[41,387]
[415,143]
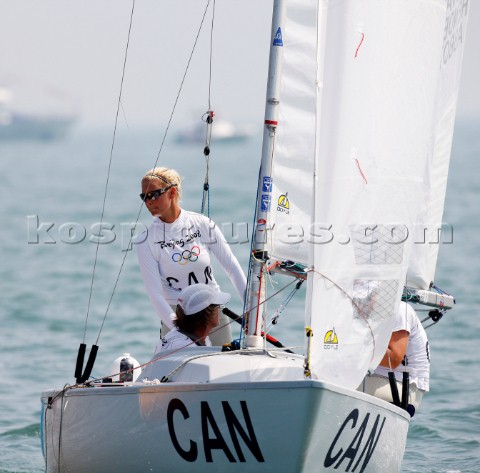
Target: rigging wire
[283,305]
[155,165]
[208,118]
[250,260]
[119,102]
[211,57]
[181,83]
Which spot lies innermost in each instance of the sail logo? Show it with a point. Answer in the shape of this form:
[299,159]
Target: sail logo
[267,184]
[277,40]
[283,204]
[455,25]
[266,199]
[261,225]
[330,340]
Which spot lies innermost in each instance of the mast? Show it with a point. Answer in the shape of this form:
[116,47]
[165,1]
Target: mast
[256,286]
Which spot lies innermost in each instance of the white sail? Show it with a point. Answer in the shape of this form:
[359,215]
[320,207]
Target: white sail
[429,231]
[292,171]
[356,132]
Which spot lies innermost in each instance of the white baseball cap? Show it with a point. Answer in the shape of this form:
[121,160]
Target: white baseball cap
[197,297]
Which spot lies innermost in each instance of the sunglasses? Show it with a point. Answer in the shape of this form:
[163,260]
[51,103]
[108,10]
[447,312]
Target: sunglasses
[152,195]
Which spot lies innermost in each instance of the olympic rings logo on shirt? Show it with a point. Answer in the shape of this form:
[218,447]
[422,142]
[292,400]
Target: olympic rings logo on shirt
[186,255]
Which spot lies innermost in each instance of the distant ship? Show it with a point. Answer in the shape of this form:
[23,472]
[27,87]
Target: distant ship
[17,126]
[222,132]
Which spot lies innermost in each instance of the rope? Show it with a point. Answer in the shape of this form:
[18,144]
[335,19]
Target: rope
[109,168]
[208,118]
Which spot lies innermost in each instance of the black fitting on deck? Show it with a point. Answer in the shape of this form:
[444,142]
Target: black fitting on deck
[435,315]
[261,255]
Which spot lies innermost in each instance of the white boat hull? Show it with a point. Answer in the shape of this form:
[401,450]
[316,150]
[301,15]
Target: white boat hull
[255,426]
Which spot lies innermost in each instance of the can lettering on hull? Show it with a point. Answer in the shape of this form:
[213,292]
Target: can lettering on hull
[212,437]
[358,447]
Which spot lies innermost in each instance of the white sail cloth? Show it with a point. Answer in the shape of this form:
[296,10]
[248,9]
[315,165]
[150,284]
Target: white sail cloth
[366,107]
[430,231]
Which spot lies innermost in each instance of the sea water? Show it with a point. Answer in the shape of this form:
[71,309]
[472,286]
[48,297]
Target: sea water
[51,205]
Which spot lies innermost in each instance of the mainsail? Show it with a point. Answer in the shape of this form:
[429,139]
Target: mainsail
[367,104]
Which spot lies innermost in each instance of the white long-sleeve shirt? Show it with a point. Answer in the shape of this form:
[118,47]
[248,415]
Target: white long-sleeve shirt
[174,340]
[417,357]
[175,255]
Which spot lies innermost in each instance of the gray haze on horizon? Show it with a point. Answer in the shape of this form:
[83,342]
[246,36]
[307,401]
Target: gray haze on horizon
[65,55]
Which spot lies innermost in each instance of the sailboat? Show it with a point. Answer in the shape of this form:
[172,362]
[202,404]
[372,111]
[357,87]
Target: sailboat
[223,132]
[359,116]
[22,126]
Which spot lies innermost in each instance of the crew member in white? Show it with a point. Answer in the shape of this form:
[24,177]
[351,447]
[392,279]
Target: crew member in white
[409,350]
[176,249]
[197,314]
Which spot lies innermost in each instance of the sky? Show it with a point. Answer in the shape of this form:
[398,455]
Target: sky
[67,56]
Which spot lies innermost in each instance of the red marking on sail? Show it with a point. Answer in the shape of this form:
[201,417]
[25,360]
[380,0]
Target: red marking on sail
[271,122]
[358,47]
[361,172]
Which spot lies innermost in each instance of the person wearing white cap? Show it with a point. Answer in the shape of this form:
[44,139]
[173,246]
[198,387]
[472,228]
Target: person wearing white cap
[197,313]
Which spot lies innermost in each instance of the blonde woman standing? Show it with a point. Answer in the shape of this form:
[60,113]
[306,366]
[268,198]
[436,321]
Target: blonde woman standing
[175,251]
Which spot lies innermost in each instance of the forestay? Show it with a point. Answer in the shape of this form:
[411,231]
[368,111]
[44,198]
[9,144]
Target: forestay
[367,105]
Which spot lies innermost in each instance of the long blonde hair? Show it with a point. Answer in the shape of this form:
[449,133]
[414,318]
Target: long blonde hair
[167,176]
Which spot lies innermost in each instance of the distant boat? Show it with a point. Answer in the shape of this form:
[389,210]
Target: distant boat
[29,127]
[18,126]
[222,132]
